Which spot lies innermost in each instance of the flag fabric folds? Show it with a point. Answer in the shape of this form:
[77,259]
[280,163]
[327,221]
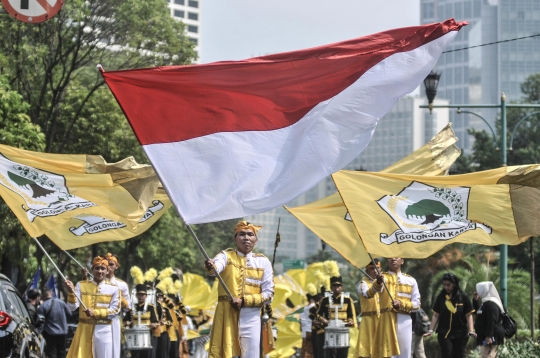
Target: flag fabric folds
[231,139]
[328,218]
[78,200]
[411,216]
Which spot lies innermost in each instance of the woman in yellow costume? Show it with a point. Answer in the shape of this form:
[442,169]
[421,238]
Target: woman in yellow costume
[250,279]
[94,335]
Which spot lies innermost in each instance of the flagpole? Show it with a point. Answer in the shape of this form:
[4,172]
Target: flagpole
[379,273]
[57,269]
[78,263]
[203,251]
[201,248]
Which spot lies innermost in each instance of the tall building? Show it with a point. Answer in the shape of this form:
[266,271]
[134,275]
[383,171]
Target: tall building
[403,130]
[188,11]
[479,75]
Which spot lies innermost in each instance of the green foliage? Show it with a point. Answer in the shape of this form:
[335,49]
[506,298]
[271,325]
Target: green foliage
[59,104]
[52,64]
[16,129]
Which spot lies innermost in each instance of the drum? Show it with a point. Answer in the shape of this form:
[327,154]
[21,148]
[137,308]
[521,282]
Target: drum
[138,338]
[336,337]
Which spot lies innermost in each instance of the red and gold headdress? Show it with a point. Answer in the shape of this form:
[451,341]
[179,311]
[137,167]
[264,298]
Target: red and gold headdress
[244,225]
[100,261]
[111,257]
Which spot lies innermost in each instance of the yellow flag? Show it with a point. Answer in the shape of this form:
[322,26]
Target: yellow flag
[411,216]
[79,200]
[289,336]
[289,296]
[197,293]
[327,217]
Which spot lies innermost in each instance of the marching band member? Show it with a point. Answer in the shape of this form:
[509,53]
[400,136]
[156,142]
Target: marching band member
[306,323]
[369,303]
[345,313]
[394,331]
[317,329]
[94,336]
[125,300]
[162,330]
[148,318]
[236,330]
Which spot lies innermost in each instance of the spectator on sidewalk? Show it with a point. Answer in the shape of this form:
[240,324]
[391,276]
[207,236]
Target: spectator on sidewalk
[32,303]
[488,320]
[52,315]
[420,325]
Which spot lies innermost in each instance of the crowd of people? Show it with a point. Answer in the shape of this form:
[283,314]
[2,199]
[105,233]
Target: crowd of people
[393,324]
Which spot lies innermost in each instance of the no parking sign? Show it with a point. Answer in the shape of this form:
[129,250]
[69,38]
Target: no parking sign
[33,11]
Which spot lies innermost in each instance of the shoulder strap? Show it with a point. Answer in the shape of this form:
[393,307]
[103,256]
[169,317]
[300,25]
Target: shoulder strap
[50,308]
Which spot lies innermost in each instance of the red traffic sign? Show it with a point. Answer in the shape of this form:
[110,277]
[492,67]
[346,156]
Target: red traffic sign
[33,11]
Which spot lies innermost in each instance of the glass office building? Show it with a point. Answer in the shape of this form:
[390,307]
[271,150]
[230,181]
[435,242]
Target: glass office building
[481,74]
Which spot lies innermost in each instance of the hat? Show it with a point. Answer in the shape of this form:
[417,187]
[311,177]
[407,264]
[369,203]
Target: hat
[375,262]
[141,289]
[310,297]
[336,280]
[159,292]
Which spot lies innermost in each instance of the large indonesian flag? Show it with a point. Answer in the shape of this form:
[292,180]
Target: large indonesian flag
[231,139]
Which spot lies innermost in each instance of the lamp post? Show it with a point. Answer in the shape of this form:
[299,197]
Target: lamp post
[431,82]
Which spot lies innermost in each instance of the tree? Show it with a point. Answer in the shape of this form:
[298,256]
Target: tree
[52,67]
[52,64]
[16,130]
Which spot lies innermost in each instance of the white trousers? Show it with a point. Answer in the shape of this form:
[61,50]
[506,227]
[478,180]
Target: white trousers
[404,335]
[250,331]
[117,336]
[104,346]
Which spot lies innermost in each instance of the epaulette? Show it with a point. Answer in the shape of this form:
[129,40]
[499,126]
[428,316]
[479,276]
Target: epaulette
[108,282]
[229,249]
[404,274]
[259,255]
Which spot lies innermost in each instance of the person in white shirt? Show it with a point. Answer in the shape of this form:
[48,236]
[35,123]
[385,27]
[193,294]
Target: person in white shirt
[306,322]
[125,300]
[236,330]
[94,335]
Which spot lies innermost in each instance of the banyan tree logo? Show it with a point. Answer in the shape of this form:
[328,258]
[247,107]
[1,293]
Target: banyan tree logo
[425,213]
[44,193]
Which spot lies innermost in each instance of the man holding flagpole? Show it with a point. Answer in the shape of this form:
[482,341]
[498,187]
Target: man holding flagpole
[236,330]
[94,335]
[400,297]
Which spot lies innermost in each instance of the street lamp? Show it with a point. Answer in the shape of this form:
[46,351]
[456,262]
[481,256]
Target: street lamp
[431,82]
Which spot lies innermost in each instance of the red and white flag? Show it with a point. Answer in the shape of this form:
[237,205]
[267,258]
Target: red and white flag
[237,138]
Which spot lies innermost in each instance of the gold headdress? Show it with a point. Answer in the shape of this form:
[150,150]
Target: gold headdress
[244,225]
[111,257]
[100,261]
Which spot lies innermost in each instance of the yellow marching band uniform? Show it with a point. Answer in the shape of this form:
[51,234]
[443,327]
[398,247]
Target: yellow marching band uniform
[183,316]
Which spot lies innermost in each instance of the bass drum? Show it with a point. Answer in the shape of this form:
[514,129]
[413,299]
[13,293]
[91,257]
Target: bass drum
[336,337]
[138,338]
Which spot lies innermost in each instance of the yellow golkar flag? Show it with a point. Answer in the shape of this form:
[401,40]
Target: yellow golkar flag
[412,216]
[78,200]
[327,217]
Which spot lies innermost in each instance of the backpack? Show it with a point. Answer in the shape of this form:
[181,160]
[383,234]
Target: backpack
[421,322]
[509,324]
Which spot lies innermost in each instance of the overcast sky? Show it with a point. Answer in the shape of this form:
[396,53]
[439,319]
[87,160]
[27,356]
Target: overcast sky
[239,29]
